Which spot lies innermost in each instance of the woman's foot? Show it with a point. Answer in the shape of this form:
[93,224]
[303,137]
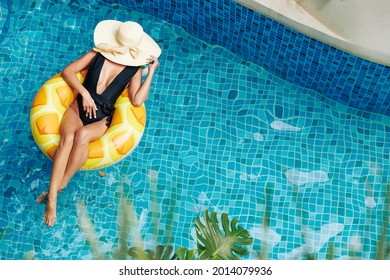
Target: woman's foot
[42,198]
[50,211]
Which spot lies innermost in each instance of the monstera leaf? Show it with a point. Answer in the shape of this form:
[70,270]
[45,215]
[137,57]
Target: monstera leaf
[214,245]
[185,254]
[162,253]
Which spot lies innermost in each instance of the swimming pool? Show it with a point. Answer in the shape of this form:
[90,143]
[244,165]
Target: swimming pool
[222,134]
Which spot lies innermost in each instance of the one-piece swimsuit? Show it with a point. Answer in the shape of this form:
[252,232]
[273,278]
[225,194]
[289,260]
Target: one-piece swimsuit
[105,102]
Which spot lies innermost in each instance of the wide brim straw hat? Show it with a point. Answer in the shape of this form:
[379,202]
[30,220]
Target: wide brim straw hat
[124,43]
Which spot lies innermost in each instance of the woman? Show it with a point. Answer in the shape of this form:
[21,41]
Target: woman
[120,49]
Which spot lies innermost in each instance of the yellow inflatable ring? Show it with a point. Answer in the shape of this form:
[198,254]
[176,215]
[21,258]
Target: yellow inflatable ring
[123,135]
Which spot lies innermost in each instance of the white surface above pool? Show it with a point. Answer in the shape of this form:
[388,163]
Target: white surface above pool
[358,27]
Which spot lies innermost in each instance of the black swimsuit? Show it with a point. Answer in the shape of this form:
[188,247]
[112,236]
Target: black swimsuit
[106,100]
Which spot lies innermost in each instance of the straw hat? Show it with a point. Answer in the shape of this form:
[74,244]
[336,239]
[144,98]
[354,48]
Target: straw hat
[125,43]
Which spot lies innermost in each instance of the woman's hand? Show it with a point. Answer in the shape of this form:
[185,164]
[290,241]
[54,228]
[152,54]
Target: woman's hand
[153,63]
[138,90]
[89,106]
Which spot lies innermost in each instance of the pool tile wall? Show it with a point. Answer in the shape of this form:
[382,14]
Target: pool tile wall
[4,15]
[287,53]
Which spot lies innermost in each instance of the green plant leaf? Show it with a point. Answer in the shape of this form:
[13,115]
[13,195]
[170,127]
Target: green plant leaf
[184,254]
[89,230]
[214,245]
[162,253]
[137,253]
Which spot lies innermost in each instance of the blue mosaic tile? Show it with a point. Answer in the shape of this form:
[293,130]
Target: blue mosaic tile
[4,18]
[285,52]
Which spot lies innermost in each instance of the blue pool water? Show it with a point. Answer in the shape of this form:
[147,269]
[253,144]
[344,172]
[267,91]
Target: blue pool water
[222,134]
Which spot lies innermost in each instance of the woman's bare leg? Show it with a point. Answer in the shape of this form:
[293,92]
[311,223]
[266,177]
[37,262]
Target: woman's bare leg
[79,154]
[76,159]
[69,125]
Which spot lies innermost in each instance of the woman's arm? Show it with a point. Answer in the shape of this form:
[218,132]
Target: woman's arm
[70,71]
[138,91]
[69,75]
